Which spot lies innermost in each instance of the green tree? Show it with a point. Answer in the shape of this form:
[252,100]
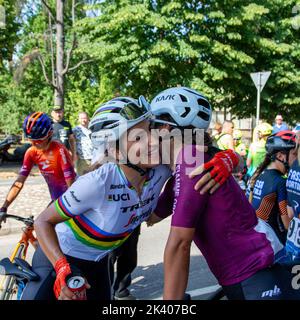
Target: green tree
[24,88]
[212,46]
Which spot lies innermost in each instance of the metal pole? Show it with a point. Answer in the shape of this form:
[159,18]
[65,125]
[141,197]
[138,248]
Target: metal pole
[258,99]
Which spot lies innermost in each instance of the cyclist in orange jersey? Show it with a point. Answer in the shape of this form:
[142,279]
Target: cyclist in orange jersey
[51,157]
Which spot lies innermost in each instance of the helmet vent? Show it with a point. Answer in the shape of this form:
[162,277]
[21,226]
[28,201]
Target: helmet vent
[203,115]
[203,103]
[183,98]
[186,112]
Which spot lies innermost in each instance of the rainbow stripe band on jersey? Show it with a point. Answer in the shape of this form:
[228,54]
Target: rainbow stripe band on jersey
[88,233]
[62,209]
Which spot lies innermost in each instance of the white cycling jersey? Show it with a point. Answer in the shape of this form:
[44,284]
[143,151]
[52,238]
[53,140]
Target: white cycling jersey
[102,208]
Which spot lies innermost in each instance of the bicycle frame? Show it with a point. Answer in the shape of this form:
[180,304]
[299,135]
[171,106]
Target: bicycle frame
[8,282]
[27,237]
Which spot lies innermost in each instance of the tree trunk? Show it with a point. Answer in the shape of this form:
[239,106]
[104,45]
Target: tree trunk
[60,43]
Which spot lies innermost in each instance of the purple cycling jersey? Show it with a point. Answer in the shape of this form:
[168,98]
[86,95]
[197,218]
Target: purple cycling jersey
[233,241]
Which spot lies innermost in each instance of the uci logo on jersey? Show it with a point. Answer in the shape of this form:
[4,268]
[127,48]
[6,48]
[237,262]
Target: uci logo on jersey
[163,98]
[118,197]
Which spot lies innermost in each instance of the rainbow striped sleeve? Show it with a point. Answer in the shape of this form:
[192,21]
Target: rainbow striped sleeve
[62,210]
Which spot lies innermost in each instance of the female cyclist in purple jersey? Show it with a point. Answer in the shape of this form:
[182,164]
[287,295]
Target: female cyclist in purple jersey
[240,249]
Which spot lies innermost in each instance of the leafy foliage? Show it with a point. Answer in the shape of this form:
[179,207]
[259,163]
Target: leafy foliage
[144,46]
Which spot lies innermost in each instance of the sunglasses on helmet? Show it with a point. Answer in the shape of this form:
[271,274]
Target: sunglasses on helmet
[131,112]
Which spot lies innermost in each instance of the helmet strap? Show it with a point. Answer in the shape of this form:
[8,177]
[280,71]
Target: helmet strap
[285,163]
[141,171]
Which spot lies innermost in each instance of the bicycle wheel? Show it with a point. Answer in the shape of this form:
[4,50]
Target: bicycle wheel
[10,287]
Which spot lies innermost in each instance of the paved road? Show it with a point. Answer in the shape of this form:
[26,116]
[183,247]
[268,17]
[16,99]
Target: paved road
[148,277]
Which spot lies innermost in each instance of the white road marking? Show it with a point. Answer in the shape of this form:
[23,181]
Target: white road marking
[199,292]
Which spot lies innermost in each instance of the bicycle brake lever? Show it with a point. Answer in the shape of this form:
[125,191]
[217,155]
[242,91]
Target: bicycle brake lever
[2,218]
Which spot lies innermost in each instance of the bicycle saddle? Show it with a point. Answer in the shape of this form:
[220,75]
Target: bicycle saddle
[20,269]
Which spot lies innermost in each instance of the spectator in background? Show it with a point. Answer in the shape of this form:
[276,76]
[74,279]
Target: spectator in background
[279,124]
[225,139]
[216,132]
[257,150]
[62,131]
[217,129]
[84,146]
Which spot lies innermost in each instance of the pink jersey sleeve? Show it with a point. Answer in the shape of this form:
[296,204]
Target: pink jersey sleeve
[28,163]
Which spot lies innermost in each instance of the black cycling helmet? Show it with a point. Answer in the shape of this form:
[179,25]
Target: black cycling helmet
[283,141]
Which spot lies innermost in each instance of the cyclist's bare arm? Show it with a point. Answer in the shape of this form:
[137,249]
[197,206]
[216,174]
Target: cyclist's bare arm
[69,182]
[290,212]
[72,142]
[286,221]
[153,219]
[284,214]
[44,227]
[14,191]
[176,262]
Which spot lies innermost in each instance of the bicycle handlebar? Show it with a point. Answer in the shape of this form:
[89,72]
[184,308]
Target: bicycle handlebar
[28,221]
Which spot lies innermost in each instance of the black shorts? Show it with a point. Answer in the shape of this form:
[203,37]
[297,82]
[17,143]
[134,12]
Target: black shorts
[273,283]
[96,274]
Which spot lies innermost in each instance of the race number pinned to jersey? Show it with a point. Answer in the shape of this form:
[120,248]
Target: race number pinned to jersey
[293,237]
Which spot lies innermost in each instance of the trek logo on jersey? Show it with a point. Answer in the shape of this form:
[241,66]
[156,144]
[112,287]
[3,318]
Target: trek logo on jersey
[45,164]
[138,219]
[271,293]
[118,197]
[138,205]
[164,98]
[117,186]
[64,158]
[74,197]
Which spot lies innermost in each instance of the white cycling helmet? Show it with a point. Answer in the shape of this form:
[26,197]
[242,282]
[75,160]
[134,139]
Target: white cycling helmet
[186,107]
[113,118]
